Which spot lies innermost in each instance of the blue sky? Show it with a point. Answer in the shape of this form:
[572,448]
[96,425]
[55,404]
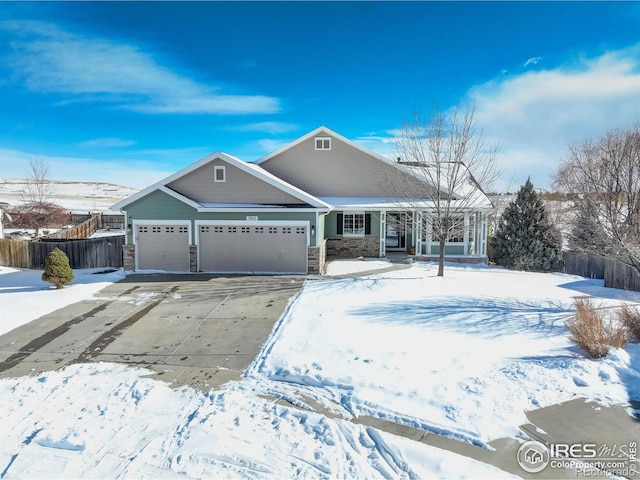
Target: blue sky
[129,93]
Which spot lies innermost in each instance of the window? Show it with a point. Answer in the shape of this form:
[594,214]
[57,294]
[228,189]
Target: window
[219,174]
[323,143]
[353,224]
[456,230]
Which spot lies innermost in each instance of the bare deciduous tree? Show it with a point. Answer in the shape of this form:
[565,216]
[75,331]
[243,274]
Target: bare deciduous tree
[455,165]
[38,209]
[603,179]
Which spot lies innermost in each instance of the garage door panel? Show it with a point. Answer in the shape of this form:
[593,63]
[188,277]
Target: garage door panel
[163,247]
[243,248]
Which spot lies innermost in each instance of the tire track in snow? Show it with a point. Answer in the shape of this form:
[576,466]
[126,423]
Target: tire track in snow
[36,344]
[108,337]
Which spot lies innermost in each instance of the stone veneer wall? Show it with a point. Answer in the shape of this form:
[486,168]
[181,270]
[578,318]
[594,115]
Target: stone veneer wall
[128,258]
[316,258]
[193,258]
[353,247]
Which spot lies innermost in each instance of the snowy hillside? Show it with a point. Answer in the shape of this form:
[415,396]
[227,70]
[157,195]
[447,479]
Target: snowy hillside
[78,197]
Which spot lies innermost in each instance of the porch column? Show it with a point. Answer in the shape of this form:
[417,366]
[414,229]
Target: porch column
[483,234]
[383,232]
[466,234]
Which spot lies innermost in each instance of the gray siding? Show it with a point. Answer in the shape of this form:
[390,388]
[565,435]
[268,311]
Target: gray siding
[158,205]
[239,187]
[343,171]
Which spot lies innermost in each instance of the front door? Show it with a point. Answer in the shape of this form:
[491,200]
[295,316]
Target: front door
[396,231]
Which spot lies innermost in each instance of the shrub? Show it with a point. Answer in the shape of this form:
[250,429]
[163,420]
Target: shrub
[630,318]
[591,331]
[57,269]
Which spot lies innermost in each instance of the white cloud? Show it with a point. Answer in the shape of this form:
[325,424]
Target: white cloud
[536,115]
[268,145]
[532,61]
[107,142]
[268,127]
[50,59]
[128,172]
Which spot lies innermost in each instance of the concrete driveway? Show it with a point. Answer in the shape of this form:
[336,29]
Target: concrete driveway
[198,330]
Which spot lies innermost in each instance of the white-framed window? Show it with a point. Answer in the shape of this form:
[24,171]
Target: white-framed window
[323,143]
[456,230]
[353,225]
[219,174]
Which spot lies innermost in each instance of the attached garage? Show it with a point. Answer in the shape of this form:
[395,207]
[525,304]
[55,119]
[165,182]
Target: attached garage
[252,246]
[162,246]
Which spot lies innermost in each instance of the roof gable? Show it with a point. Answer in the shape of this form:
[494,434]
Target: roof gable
[322,131]
[195,185]
[346,169]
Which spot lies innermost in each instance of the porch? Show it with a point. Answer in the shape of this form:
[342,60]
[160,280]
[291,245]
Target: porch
[411,232]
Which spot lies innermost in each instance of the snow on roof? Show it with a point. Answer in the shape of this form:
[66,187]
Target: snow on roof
[241,205]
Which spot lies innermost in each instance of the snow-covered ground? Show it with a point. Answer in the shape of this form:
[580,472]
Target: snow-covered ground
[24,296]
[463,356]
[344,267]
[80,197]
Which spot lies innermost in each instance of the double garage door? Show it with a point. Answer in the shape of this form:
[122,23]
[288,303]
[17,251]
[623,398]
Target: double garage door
[225,247]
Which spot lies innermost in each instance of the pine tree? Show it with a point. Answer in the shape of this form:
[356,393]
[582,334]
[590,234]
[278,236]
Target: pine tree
[57,269]
[587,233]
[526,239]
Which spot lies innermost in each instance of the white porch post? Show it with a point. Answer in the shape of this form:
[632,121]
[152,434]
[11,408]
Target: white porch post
[466,234]
[417,231]
[383,232]
[483,235]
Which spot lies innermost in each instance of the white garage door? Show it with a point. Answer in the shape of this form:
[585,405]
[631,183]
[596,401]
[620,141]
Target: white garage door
[162,247]
[253,248]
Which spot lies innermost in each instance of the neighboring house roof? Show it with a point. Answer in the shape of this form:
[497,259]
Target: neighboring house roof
[251,169]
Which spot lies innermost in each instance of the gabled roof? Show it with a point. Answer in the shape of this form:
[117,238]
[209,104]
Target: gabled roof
[327,131]
[249,168]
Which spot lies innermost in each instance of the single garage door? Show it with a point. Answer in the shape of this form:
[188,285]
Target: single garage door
[162,247]
[253,248]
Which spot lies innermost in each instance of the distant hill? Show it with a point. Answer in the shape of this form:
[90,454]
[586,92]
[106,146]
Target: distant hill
[77,197]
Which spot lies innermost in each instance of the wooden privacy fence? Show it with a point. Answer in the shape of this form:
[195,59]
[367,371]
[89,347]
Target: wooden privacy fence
[621,275]
[589,266]
[84,230]
[84,253]
[615,273]
[14,253]
[111,220]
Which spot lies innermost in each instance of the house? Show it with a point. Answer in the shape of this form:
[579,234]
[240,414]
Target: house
[319,196]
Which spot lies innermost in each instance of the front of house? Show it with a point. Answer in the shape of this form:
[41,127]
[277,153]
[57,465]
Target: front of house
[321,196]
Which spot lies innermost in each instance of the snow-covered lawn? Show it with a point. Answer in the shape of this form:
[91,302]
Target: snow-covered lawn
[463,356]
[24,296]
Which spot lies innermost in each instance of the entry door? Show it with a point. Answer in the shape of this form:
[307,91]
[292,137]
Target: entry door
[396,235]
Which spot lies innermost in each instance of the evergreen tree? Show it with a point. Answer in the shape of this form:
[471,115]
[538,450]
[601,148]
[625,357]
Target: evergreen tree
[526,239]
[587,233]
[57,269]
